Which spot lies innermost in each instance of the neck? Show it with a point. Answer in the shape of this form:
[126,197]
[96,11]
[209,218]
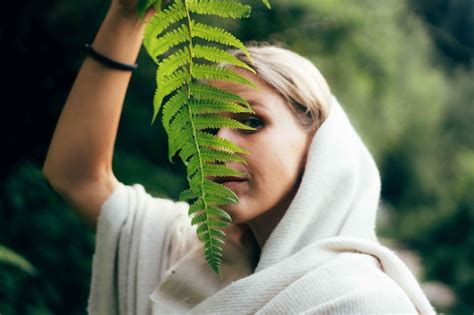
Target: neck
[263,225]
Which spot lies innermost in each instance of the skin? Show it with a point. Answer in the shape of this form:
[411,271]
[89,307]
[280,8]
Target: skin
[279,146]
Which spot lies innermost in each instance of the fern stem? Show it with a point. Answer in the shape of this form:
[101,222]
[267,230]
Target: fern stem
[194,129]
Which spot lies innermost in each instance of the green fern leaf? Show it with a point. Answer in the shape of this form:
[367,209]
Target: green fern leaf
[198,219]
[161,21]
[216,106]
[216,121]
[219,190]
[211,72]
[218,212]
[218,35]
[209,156]
[211,141]
[267,4]
[207,140]
[187,194]
[202,91]
[223,8]
[192,106]
[172,83]
[172,106]
[195,162]
[219,170]
[218,55]
[174,62]
[8,256]
[142,6]
[169,40]
[177,143]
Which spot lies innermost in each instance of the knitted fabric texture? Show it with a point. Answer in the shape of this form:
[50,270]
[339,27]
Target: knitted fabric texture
[323,257]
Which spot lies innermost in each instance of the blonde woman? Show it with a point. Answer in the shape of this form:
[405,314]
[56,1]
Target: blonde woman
[303,234]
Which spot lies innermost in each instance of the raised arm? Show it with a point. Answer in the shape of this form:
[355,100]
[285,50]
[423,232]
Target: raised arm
[79,161]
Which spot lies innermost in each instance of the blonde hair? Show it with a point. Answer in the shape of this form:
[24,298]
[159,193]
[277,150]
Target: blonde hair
[294,77]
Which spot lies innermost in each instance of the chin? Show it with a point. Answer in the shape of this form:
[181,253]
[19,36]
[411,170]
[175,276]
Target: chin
[235,212]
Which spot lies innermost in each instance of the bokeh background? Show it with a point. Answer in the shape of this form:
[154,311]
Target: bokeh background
[402,69]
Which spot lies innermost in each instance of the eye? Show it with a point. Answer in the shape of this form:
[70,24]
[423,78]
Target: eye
[253,122]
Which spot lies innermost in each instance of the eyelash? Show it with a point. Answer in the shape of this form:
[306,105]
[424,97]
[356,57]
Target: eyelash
[214,131]
[253,118]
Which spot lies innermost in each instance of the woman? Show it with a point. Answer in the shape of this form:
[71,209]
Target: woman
[303,238]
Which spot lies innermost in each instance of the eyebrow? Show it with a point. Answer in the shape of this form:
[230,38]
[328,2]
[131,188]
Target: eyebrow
[257,103]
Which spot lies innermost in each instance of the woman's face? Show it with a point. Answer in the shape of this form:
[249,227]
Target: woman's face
[278,149]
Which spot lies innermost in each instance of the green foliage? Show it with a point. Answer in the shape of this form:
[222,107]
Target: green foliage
[144,5]
[43,229]
[376,55]
[8,256]
[192,106]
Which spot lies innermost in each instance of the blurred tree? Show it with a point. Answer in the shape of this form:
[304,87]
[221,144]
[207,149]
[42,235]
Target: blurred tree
[44,230]
[451,24]
[379,59]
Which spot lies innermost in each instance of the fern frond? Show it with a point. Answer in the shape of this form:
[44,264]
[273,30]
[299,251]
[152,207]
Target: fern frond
[8,256]
[172,106]
[219,170]
[223,8]
[173,38]
[143,5]
[177,143]
[198,219]
[171,84]
[210,156]
[214,189]
[174,62]
[196,209]
[267,4]
[161,21]
[214,142]
[210,121]
[212,72]
[193,107]
[220,156]
[216,106]
[213,170]
[218,55]
[211,189]
[218,35]
[203,91]
[188,194]
[218,212]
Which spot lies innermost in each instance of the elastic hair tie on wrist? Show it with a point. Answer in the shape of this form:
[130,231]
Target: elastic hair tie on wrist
[107,61]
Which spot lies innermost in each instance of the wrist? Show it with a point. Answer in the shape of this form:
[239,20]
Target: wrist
[124,16]
[120,36]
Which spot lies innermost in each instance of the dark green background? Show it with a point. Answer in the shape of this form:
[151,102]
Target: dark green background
[403,70]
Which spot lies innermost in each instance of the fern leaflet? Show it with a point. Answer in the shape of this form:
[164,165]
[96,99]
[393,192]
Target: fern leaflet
[190,106]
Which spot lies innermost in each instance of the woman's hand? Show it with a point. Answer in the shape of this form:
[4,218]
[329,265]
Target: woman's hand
[128,9]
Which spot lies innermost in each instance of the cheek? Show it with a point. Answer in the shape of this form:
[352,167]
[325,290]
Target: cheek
[275,164]
[273,173]
[287,165]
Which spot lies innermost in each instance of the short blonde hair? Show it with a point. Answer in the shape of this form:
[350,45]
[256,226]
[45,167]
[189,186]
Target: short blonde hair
[294,77]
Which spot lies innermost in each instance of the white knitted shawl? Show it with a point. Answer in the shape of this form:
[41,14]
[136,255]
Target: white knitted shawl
[323,257]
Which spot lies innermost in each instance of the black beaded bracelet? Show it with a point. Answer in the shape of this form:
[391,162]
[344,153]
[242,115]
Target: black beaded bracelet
[107,61]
